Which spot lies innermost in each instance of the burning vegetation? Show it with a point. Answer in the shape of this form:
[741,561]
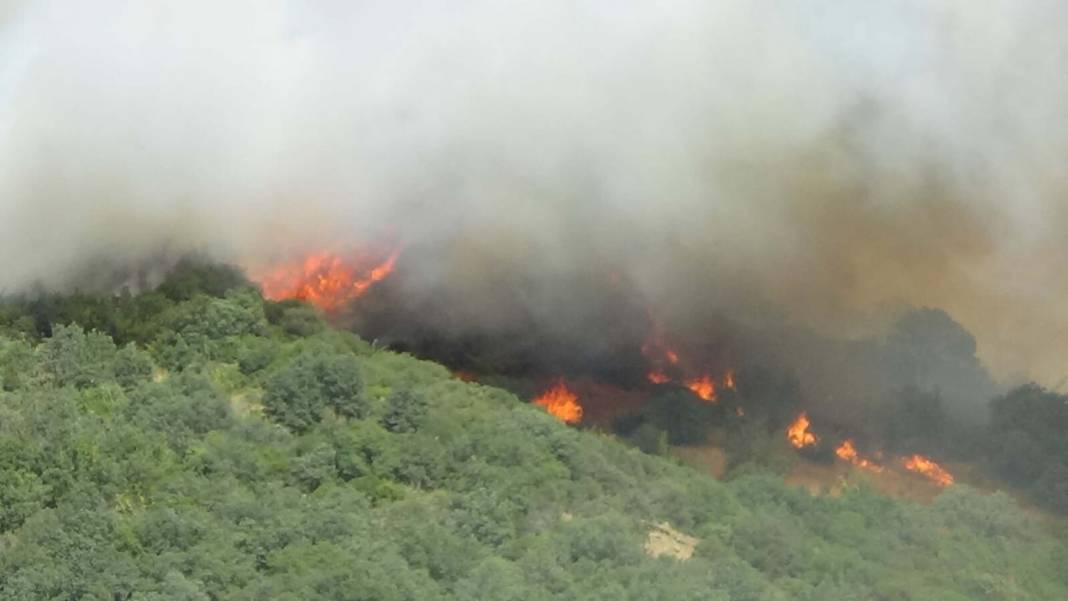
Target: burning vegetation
[703,387]
[561,403]
[929,469]
[326,279]
[666,365]
[797,432]
[800,437]
[331,281]
[848,452]
[451,452]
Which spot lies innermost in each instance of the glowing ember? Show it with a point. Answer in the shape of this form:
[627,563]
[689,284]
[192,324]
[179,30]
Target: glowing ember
[658,377]
[561,402]
[929,469]
[703,387]
[849,453]
[325,279]
[798,433]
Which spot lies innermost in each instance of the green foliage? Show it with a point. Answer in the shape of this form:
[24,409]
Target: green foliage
[296,319]
[248,452]
[406,411]
[19,365]
[192,277]
[132,366]
[650,439]
[313,383]
[76,358]
[1027,445]
[209,318]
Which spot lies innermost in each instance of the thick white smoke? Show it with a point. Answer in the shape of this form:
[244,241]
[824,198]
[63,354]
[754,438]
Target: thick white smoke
[833,159]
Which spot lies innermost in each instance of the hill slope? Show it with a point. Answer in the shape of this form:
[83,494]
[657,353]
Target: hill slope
[231,448]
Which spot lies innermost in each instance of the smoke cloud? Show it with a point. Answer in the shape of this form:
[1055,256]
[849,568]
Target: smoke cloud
[828,163]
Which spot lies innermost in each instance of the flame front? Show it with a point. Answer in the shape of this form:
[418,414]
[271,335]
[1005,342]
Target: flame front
[561,402]
[798,433]
[849,453]
[929,469]
[325,279]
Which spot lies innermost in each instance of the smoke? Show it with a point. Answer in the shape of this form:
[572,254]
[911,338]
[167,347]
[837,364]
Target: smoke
[828,163]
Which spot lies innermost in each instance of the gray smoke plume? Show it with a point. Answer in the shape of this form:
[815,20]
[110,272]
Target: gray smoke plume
[829,162]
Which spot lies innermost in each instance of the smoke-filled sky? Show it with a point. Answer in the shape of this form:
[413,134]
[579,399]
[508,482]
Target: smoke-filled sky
[834,161]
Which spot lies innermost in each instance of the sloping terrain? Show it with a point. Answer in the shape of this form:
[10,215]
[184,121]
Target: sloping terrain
[198,443]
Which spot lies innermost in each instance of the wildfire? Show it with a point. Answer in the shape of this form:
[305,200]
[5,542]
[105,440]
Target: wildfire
[561,402]
[798,433]
[703,387]
[325,279]
[849,453]
[929,469]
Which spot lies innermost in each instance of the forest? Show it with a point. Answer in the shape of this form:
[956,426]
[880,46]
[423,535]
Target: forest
[198,442]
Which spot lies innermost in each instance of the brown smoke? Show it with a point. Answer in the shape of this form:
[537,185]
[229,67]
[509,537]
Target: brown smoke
[822,162]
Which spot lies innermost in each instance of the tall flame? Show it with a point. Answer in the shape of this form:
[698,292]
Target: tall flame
[798,433]
[325,279]
[561,402]
[929,469]
[848,452]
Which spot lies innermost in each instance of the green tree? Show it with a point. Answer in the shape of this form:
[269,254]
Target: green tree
[132,366]
[74,357]
[314,382]
[192,276]
[405,411]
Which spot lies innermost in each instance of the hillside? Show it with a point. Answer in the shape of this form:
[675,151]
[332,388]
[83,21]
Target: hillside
[199,443]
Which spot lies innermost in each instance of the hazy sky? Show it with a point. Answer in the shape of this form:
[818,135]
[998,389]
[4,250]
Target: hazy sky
[834,159]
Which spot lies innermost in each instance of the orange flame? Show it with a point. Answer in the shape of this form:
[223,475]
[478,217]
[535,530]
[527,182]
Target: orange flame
[561,402]
[929,469]
[848,452]
[325,279]
[703,387]
[798,433]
